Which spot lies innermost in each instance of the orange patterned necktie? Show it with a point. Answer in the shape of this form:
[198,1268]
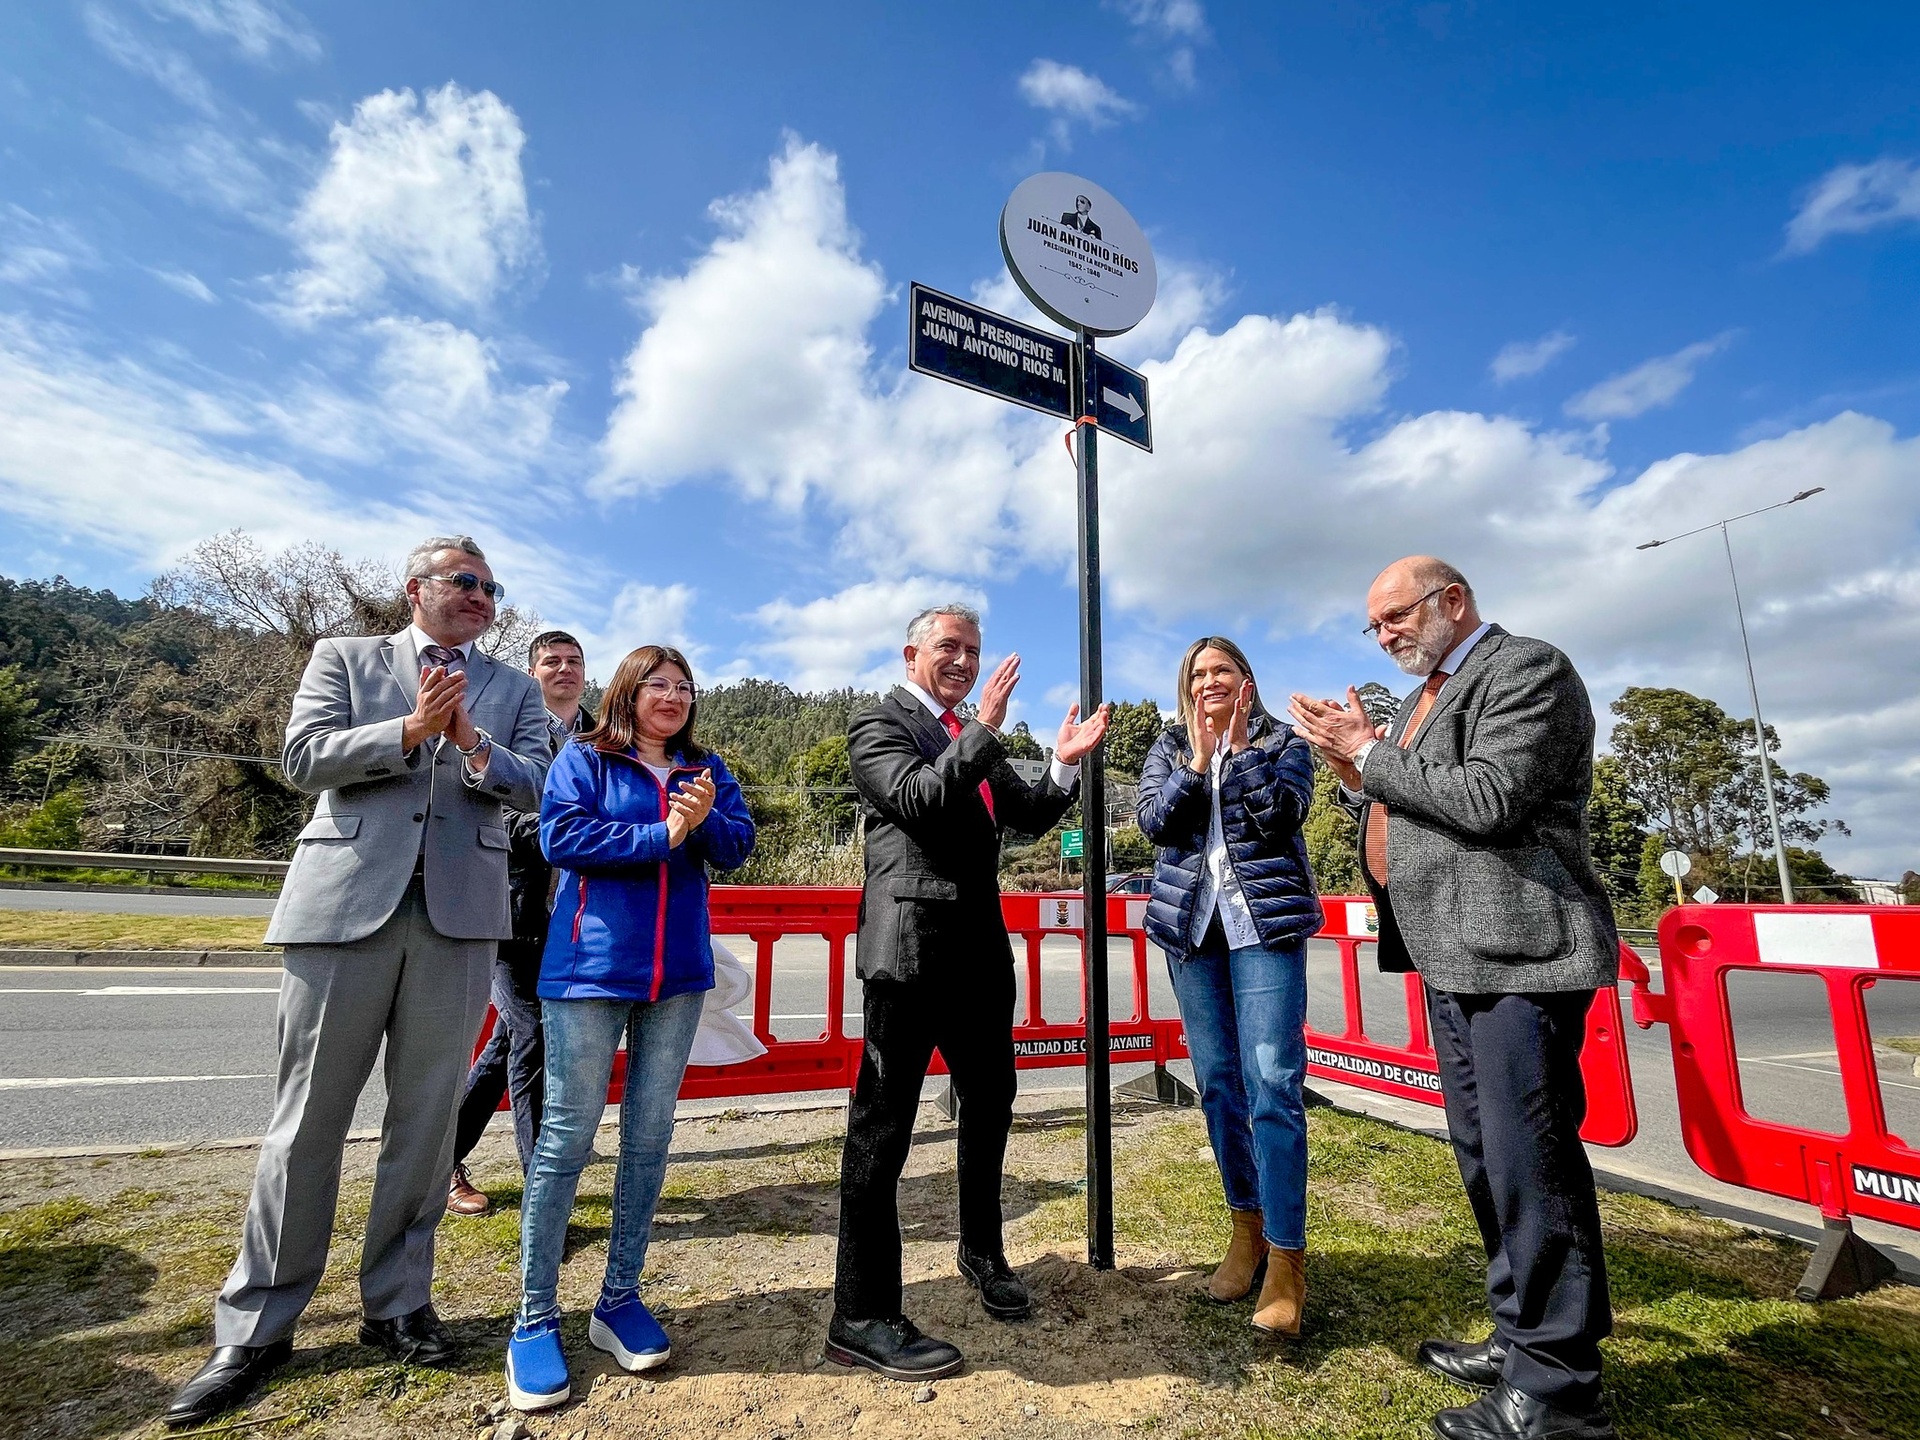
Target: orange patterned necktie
[1376,846]
[952,722]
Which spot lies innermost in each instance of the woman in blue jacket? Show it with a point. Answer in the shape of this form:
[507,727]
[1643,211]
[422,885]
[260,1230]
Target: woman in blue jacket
[1223,794]
[634,813]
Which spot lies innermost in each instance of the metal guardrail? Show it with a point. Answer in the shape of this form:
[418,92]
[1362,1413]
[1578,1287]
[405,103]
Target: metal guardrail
[117,860]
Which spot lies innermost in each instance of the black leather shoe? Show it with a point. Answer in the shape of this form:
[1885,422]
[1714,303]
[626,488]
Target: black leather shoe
[1478,1367]
[417,1338]
[1002,1293]
[228,1377]
[895,1348]
[1509,1414]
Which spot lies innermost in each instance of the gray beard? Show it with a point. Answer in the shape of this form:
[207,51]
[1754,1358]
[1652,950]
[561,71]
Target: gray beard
[1422,656]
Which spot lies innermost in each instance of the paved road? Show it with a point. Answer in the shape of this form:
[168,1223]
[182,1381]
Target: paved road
[181,902]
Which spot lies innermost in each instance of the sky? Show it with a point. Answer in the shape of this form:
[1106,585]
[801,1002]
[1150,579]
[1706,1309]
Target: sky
[620,290]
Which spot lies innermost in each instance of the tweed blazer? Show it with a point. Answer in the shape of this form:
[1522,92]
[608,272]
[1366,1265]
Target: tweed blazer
[356,855]
[931,901]
[1491,885]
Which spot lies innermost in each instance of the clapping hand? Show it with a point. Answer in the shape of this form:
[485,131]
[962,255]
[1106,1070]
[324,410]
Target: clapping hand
[1337,731]
[998,691]
[1078,736]
[435,707]
[688,806]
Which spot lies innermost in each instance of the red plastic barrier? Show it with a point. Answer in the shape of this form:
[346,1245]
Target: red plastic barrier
[831,1060]
[1410,1070]
[1867,1171]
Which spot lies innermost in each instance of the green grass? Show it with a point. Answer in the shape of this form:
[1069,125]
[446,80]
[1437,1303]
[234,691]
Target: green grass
[88,930]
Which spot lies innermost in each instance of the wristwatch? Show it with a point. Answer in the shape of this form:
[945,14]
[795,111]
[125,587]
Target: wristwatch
[484,743]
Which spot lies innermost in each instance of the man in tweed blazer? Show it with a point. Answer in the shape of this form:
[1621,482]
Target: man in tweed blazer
[1473,820]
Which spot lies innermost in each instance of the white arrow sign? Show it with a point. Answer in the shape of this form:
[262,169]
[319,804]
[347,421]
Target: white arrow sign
[1125,404]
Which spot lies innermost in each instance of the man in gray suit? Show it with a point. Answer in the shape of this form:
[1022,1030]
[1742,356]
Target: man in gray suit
[390,913]
[1473,819]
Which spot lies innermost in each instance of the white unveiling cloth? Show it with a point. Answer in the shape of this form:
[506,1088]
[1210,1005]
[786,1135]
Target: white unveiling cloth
[723,1037]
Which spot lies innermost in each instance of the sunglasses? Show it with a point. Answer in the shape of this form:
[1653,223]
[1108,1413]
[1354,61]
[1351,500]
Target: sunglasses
[467,580]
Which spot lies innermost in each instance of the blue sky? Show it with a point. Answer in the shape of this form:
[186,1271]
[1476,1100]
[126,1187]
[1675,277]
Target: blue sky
[620,289]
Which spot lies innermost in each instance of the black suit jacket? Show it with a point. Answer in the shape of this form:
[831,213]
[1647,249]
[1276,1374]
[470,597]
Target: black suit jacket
[932,894]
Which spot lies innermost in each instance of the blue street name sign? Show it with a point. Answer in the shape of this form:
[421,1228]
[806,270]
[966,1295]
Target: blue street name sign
[1120,402]
[958,341]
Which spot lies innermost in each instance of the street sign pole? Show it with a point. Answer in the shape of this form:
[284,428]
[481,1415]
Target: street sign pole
[1093,821]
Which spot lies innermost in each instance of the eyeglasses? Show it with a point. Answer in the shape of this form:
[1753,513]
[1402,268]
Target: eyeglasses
[660,688]
[1397,618]
[467,580]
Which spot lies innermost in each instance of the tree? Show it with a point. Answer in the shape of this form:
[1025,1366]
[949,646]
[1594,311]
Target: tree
[1131,731]
[17,705]
[1617,832]
[1021,745]
[828,776]
[1332,838]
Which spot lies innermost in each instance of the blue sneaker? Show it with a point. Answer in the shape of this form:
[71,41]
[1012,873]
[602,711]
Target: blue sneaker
[536,1369]
[626,1330]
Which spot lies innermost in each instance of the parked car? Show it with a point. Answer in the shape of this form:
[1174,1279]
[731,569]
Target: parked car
[1134,883]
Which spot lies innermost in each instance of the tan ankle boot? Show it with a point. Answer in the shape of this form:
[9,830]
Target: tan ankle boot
[1284,1295]
[1246,1254]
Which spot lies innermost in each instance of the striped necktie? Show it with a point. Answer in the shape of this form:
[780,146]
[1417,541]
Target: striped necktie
[445,656]
[1376,846]
[952,723]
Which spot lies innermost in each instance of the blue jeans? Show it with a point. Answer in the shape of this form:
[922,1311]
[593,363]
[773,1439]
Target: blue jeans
[582,1036]
[1245,1013]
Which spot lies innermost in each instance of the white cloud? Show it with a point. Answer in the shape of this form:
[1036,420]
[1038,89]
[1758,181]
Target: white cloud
[640,615]
[1648,386]
[205,163]
[187,283]
[1852,199]
[1072,96]
[852,637]
[258,29]
[168,69]
[1179,26]
[425,195]
[1521,358]
[441,388]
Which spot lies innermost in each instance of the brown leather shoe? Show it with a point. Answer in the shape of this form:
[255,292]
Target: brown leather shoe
[1246,1258]
[1283,1297]
[462,1198]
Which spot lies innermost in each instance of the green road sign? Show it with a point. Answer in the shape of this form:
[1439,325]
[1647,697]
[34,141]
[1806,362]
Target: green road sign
[1073,844]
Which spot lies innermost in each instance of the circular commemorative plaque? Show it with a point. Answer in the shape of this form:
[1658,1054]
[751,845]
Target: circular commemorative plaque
[1076,254]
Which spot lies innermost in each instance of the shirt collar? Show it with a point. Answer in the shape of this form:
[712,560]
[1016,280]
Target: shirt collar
[421,640]
[579,717]
[1457,656]
[934,707]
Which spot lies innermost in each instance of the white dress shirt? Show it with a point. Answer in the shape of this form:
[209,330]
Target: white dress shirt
[1219,886]
[1450,663]
[1061,773]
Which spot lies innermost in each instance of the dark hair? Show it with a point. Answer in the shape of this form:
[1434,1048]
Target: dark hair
[547,639]
[616,729]
[1183,687]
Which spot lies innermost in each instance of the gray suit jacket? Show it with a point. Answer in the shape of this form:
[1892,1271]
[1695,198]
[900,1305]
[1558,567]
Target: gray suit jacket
[1492,888]
[351,867]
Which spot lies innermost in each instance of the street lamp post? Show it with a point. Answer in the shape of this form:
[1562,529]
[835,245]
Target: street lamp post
[1753,689]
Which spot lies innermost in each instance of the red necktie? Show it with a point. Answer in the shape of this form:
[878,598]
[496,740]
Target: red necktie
[952,722]
[1376,846]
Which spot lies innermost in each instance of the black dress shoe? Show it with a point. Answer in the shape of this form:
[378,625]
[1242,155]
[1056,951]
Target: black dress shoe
[1002,1293]
[895,1348]
[1478,1367]
[1509,1414]
[228,1377]
[417,1338]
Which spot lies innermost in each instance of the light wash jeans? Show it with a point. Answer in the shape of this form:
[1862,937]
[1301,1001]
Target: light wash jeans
[1245,1013]
[582,1036]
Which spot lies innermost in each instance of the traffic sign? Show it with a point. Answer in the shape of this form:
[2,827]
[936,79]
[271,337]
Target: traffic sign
[955,340]
[1073,844]
[1675,863]
[1076,253]
[1706,895]
[1120,397]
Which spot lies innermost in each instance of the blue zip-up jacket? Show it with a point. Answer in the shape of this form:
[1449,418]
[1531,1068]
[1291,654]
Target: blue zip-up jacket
[1264,794]
[630,912]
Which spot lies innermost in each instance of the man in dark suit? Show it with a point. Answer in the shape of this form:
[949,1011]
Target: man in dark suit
[1473,819]
[938,967]
[1081,218]
[513,1062]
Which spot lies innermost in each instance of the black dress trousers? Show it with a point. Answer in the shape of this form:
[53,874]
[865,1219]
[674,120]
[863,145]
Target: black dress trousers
[1510,1073]
[966,1012]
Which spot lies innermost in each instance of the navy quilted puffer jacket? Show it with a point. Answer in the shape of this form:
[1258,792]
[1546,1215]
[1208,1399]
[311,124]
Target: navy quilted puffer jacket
[1264,794]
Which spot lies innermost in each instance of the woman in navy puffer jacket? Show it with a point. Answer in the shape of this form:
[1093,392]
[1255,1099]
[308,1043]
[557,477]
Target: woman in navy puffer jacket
[1223,794]
[634,813]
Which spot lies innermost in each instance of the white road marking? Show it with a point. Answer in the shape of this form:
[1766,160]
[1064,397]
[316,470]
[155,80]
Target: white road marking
[1818,1070]
[65,1082]
[113,990]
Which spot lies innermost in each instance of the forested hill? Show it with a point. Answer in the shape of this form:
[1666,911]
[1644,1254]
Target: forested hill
[769,726]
